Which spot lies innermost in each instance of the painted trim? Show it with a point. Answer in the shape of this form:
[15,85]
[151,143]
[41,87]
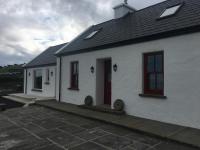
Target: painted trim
[158,36]
[26,81]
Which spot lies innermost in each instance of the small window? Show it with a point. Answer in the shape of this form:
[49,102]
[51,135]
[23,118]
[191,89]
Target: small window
[92,34]
[38,79]
[170,11]
[47,75]
[154,73]
[74,75]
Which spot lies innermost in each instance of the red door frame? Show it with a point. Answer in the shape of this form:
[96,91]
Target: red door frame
[107,81]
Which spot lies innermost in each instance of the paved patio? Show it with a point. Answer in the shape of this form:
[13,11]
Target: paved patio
[39,128]
[172,132]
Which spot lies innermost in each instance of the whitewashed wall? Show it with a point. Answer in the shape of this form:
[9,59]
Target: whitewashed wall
[181,71]
[48,90]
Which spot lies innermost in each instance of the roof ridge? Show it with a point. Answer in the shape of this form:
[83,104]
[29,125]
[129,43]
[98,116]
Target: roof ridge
[103,22]
[153,5]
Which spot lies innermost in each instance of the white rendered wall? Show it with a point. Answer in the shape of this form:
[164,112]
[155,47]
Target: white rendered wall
[181,77]
[48,90]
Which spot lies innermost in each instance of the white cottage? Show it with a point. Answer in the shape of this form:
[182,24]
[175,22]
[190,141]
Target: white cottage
[40,74]
[148,58]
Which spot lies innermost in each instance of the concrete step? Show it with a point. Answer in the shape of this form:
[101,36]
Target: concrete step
[23,96]
[20,100]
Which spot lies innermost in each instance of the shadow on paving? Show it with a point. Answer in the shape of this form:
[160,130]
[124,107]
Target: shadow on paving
[9,104]
[39,128]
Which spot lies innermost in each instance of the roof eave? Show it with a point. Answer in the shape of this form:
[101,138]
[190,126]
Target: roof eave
[39,66]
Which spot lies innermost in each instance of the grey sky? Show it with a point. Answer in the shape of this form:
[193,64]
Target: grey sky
[28,27]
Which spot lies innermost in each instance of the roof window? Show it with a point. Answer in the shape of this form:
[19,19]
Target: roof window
[170,11]
[92,34]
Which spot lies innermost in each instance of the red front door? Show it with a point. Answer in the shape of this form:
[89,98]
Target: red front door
[107,82]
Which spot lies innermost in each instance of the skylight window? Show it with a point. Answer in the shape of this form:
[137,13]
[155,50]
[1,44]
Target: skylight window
[92,34]
[170,11]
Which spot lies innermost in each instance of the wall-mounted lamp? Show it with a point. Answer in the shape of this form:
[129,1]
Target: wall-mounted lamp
[92,69]
[115,67]
[51,73]
[29,74]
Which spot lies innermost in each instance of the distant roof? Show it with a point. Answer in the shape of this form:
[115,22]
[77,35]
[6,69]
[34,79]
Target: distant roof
[45,58]
[139,26]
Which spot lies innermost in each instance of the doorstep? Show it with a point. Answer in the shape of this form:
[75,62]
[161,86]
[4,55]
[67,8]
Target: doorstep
[171,132]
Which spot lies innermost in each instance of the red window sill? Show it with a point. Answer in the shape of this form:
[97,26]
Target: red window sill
[73,89]
[153,96]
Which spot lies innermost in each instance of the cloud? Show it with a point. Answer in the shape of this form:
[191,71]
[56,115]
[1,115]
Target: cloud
[28,27]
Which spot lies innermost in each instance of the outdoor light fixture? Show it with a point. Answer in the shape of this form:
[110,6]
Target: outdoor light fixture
[29,74]
[115,67]
[52,73]
[92,69]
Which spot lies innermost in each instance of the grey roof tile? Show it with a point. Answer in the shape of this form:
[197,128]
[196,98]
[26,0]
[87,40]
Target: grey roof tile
[45,58]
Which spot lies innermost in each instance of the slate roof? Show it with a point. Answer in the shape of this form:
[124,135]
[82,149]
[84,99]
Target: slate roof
[139,26]
[46,58]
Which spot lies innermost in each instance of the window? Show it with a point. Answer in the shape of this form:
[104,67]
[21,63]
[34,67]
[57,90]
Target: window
[47,75]
[154,73]
[37,79]
[92,34]
[74,75]
[170,11]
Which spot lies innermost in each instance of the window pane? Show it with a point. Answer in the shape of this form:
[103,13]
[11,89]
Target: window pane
[160,81]
[152,81]
[47,75]
[159,63]
[38,79]
[38,73]
[74,75]
[150,64]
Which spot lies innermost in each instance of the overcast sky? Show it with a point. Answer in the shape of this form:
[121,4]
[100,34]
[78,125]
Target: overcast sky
[28,27]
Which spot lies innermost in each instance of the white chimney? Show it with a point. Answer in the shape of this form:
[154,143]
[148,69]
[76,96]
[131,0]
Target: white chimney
[123,9]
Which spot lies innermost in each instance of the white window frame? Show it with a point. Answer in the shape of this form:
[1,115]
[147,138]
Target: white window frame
[47,75]
[34,76]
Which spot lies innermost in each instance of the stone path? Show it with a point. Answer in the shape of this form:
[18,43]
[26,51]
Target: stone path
[38,128]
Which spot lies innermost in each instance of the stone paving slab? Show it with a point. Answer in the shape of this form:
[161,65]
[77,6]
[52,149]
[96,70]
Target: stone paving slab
[91,134]
[188,133]
[172,146]
[113,141]
[163,130]
[89,146]
[158,128]
[150,141]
